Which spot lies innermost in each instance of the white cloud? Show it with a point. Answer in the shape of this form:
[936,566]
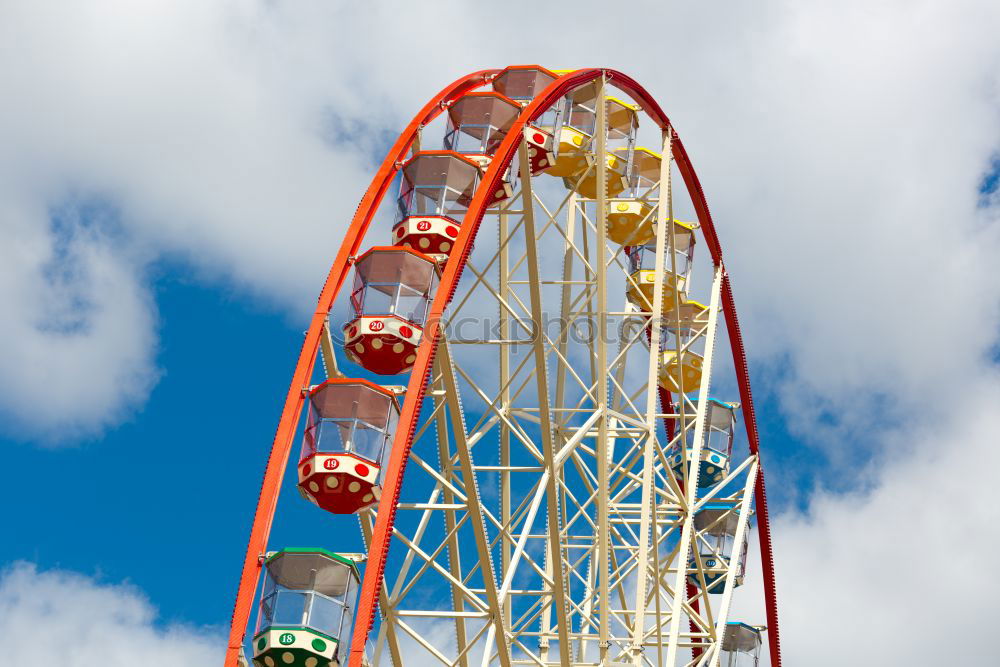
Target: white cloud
[209,152]
[78,326]
[61,618]
[212,149]
[840,144]
[897,573]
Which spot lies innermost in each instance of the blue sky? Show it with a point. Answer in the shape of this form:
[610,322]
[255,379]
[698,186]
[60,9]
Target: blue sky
[174,183]
[165,500]
[206,427]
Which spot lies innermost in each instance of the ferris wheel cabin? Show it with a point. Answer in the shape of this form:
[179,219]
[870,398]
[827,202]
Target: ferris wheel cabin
[631,215]
[306,609]
[716,524]
[576,135]
[393,287]
[740,645]
[346,444]
[682,346]
[717,449]
[623,123]
[577,115]
[435,192]
[477,123]
[676,276]
[521,83]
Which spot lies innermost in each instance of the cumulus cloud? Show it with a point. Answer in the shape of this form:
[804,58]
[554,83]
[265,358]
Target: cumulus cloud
[62,618]
[841,148]
[876,574]
[209,153]
[216,141]
[78,326]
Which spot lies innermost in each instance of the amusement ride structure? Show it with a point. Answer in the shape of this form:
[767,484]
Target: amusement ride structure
[519,398]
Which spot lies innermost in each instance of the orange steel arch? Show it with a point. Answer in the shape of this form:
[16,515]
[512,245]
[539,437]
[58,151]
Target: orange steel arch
[403,438]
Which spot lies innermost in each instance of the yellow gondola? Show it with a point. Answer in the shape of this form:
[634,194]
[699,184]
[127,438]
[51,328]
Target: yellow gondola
[574,141]
[642,277]
[681,362]
[631,215]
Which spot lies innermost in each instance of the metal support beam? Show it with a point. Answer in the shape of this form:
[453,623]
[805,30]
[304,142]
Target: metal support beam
[542,388]
[742,525]
[603,528]
[691,487]
[665,222]
[503,286]
[326,352]
[447,372]
[388,625]
[454,552]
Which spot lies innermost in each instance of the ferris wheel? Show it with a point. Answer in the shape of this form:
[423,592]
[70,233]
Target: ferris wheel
[520,397]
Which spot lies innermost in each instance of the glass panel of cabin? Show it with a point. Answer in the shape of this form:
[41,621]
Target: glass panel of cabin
[437,184]
[361,420]
[369,441]
[523,83]
[478,123]
[394,282]
[644,257]
[550,118]
[720,421]
[326,615]
[581,109]
[740,646]
[644,175]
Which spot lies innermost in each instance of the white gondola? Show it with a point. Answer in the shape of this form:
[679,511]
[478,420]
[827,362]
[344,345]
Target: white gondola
[676,274]
[740,645]
[632,214]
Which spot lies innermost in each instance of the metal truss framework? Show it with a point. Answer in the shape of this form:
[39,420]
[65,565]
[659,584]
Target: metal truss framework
[539,521]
